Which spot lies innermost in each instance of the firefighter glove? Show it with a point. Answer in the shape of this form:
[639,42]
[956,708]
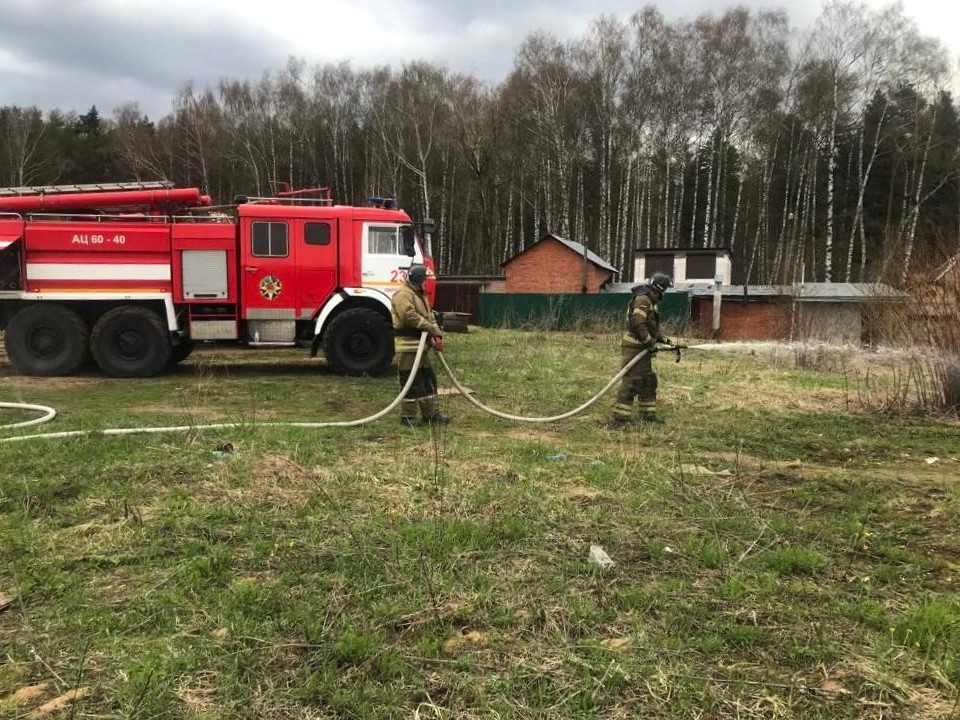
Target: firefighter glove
[437,342]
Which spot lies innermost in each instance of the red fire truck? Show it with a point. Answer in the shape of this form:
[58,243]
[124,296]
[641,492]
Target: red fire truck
[134,274]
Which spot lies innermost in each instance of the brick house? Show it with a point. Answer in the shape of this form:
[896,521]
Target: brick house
[556,265]
[825,312]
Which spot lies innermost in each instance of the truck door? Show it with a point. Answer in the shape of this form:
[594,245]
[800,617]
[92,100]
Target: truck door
[317,264]
[268,269]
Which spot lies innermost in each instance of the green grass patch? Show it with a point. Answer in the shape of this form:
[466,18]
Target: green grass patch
[778,553]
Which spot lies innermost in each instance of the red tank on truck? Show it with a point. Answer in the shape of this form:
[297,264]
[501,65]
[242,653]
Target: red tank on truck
[134,275]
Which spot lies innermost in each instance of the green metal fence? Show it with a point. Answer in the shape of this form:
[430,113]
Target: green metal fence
[566,312]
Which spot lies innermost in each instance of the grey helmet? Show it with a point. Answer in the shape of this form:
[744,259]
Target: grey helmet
[661,281]
[417,274]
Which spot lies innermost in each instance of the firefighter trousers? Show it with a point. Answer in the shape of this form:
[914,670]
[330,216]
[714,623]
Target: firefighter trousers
[639,383]
[423,392]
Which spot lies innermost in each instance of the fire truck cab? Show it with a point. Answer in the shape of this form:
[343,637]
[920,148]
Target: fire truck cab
[134,274]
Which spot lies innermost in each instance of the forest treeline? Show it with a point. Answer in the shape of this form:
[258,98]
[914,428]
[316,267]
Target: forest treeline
[830,154]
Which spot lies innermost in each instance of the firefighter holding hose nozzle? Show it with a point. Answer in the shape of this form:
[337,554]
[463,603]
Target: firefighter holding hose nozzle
[412,315]
[642,334]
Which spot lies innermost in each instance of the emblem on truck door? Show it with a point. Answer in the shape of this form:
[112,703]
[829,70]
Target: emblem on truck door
[271,287]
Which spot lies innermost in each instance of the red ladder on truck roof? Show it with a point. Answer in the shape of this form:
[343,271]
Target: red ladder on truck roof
[88,188]
[156,196]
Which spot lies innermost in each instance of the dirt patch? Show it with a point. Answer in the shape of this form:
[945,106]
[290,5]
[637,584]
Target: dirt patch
[753,463]
[46,383]
[465,641]
[196,700]
[172,409]
[581,495]
[279,479]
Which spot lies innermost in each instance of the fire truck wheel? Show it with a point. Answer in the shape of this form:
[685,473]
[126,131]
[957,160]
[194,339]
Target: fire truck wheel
[46,340]
[359,341]
[130,341]
[181,352]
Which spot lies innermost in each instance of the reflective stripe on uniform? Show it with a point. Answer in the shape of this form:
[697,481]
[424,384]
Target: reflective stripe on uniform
[630,341]
[621,410]
[404,344]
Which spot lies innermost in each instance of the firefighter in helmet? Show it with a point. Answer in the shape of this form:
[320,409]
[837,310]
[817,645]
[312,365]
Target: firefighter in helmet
[411,316]
[643,333]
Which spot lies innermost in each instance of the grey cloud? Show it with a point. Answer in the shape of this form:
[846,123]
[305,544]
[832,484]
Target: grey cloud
[92,55]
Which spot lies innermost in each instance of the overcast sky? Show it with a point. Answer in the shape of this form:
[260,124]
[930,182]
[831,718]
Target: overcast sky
[71,54]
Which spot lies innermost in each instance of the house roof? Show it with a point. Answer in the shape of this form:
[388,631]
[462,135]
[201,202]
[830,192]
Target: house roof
[623,287]
[684,250]
[706,289]
[848,292]
[807,292]
[575,246]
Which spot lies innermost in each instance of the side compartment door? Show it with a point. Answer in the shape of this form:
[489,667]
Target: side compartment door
[267,269]
[317,251]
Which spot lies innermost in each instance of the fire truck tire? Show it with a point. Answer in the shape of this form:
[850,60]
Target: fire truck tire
[359,341]
[46,340]
[131,341]
[181,352]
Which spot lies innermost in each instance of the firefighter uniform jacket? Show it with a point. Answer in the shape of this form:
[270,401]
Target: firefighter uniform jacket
[643,322]
[411,316]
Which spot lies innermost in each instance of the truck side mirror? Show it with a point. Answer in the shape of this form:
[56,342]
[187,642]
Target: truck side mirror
[428,226]
[409,244]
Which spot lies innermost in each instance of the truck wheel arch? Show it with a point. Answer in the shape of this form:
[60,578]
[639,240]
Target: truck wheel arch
[354,330]
[343,300]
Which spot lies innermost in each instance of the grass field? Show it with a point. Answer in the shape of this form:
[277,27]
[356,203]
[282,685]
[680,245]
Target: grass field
[779,553]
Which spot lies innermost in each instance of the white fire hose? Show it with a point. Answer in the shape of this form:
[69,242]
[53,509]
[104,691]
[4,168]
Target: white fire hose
[541,419]
[49,413]
[212,426]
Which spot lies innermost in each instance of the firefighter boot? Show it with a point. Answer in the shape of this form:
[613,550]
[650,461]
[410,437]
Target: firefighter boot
[408,414]
[648,411]
[430,411]
[622,415]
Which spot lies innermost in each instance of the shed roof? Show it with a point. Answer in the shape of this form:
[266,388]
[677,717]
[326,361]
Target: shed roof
[625,287]
[575,247]
[682,250]
[848,292]
[806,292]
[706,289]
